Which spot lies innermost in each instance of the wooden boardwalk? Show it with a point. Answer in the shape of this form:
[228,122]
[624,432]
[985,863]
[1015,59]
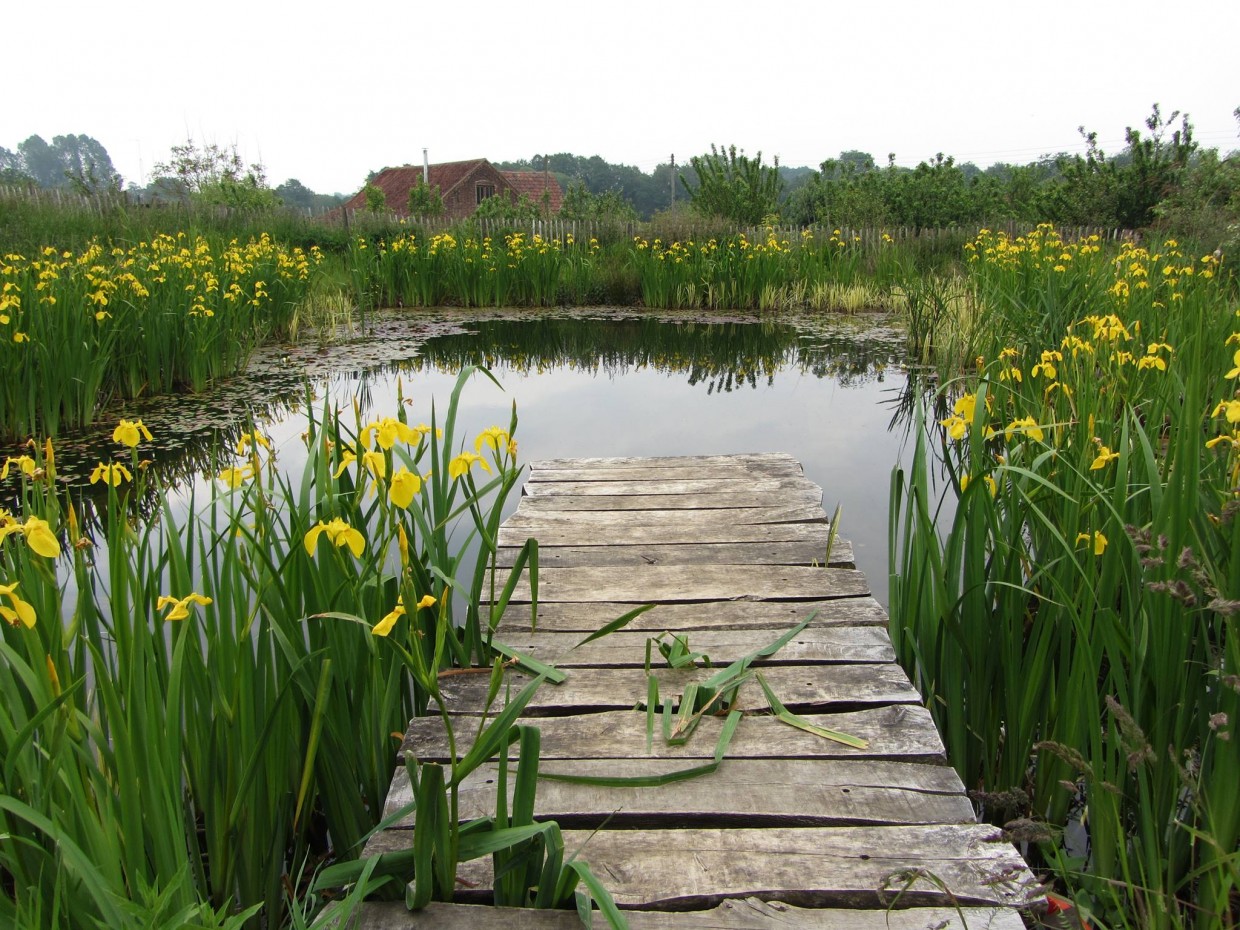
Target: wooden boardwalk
[793,830]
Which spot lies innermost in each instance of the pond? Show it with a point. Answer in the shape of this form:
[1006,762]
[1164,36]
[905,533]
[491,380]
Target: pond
[827,390]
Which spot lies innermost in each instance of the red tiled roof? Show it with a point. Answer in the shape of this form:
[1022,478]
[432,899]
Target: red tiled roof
[397,182]
[533,184]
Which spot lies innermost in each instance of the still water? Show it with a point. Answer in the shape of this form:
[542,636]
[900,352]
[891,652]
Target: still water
[826,391]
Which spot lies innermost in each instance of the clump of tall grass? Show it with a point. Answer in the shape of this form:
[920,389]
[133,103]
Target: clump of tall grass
[200,708]
[176,312]
[770,272]
[418,271]
[1067,597]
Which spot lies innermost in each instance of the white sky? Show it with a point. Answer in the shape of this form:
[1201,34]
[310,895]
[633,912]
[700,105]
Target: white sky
[327,91]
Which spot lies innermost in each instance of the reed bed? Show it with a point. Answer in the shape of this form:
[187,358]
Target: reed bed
[469,271]
[174,313]
[1066,570]
[771,273]
[200,709]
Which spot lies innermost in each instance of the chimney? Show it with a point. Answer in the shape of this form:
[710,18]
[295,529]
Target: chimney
[426,169]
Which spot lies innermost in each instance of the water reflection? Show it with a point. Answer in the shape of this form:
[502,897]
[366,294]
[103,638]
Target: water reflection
[822,389]
[722,356]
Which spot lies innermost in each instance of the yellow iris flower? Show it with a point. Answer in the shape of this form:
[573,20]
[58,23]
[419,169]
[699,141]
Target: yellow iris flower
[18,611]
[180,605]
[340,533]
[112,474]
[494,437]
[131,432]
[39,536]
[27,465]
[1028,426]
[384,626]
[1099,541]
[957,427]
[388,430]
[1105,455]
[460,465]
[235,477]
[404,485]
[374,463]
[250,441]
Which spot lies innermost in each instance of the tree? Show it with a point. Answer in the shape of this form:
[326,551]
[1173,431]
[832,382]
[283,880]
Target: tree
[580,204]
[845,191]
[733,186]
[73,161]
[41,162]
[376,199]
[13,170]
[1155,170]
[213,175]
[501,207]
[87,167]
[425,200]
[293,193]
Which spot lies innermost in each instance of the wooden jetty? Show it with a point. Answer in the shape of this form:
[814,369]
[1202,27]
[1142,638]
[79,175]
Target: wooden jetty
[793,830]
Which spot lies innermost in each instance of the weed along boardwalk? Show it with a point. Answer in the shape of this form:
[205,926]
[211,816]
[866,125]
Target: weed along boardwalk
[839,813]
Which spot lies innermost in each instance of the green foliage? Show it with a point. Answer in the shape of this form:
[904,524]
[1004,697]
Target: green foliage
[580,204]
[78,163]
[292,193]
[213,175]
[734,186]
[1067,597]
[424,200]
[242,687]
[646,193]
[503,207]
[376,199]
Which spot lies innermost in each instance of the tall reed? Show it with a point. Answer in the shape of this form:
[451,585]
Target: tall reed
[200,708]
[174,313]
[1067,596]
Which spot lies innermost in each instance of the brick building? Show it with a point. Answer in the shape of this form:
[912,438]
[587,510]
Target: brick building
[463,185]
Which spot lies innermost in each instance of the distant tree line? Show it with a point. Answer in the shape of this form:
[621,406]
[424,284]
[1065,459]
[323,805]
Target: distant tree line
[1161,176]
[204,174]
[77,163]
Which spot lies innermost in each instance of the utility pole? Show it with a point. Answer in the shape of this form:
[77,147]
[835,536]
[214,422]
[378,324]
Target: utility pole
[673,180]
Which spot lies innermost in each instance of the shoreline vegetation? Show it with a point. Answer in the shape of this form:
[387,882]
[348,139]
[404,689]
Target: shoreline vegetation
[1073,626]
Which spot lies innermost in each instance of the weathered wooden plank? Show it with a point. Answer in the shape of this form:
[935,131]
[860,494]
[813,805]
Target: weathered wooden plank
[741,793]
[904,732]
[813,645]
[543,503]
[669,472]
[604,520]
[731,546]
[667,461]
[802,688]
[815,866]
[586,617]
[669,583]
[574,534]
[670,486]
[739,914]
[771,553]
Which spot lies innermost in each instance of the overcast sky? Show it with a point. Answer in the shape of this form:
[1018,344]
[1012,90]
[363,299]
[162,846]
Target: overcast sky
[325,92]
